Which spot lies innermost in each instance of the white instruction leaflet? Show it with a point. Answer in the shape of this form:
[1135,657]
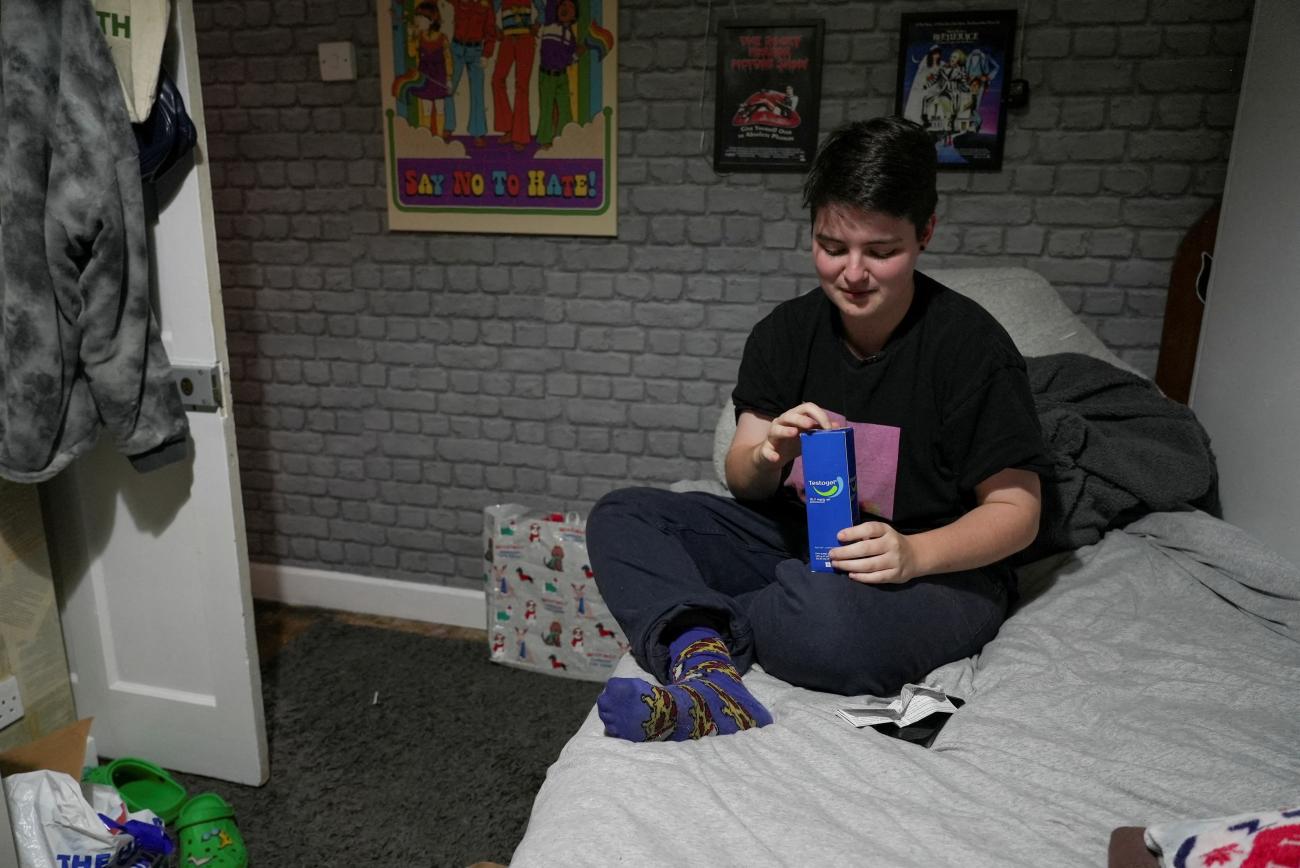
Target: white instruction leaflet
[913,703]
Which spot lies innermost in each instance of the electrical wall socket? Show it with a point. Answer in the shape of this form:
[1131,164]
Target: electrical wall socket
[11,701]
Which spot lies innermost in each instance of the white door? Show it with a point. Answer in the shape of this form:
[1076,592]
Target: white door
[1246,386]
[153,568]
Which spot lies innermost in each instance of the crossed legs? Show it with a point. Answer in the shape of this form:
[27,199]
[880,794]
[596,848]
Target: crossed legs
[667,562]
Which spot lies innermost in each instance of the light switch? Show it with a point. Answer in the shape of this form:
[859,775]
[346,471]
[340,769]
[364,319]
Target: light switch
[338,61]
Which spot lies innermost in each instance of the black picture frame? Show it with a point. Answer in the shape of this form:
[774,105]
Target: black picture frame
[953,70]
[767,102]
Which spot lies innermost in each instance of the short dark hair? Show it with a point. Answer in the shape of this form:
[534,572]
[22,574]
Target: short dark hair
[886,164]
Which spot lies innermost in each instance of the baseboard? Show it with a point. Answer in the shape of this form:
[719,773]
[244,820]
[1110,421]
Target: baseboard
[366,595]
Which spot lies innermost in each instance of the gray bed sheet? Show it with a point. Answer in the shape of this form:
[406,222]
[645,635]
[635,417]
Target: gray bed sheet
[1152,676]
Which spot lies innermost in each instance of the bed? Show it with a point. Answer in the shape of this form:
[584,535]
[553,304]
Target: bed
[1150,673]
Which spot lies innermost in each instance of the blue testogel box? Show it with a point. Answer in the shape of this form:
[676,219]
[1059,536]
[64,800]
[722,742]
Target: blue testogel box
[830,475]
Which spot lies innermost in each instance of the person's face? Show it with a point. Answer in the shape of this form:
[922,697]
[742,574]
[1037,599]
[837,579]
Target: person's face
[865,259]
[567,12]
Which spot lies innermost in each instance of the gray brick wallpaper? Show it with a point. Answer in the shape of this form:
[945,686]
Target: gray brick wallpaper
[388,386]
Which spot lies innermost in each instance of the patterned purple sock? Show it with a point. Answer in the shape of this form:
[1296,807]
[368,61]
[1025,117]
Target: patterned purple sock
[705,697]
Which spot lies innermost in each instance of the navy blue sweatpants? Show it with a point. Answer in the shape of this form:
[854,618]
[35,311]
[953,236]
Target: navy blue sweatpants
[666,559]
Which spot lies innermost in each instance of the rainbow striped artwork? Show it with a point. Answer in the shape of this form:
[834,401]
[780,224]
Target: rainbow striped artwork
[500,115]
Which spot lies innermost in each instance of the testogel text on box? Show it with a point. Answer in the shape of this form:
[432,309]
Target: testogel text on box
[831,489]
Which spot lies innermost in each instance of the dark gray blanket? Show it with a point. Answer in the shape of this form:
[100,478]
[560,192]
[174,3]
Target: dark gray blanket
[1120,450]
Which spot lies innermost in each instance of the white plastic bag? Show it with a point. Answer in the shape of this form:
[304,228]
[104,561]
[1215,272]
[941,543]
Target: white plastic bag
[54,826]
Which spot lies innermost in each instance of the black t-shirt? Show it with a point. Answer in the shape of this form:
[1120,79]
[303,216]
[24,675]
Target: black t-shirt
[942,407]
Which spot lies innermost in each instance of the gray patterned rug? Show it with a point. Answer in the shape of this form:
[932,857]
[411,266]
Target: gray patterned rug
[441,771]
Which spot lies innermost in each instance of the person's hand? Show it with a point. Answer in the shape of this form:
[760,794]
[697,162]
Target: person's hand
[782,443]
[874,553]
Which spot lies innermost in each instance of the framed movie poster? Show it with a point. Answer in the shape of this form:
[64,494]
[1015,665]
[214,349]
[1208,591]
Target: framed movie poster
[500,115]
[952,71]
[768,96]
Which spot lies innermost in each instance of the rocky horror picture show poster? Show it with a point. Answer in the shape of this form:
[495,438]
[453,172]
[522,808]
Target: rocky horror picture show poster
[768,96]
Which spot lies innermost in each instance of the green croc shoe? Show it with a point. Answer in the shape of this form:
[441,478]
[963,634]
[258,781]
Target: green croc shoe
[142,786]
[207,835]
[96,775]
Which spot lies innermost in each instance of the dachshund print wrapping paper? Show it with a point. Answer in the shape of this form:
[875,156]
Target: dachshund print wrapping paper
[543,610]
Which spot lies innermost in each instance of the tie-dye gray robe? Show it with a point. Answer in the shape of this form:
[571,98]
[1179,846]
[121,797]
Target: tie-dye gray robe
[79,347]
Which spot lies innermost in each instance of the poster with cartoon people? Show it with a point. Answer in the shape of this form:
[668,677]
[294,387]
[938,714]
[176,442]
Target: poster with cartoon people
[952,70]
[768,96]
[500,115]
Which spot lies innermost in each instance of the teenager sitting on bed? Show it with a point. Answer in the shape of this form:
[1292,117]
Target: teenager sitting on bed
[948,449]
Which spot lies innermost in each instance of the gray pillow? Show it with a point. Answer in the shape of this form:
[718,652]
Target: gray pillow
[1030,310]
